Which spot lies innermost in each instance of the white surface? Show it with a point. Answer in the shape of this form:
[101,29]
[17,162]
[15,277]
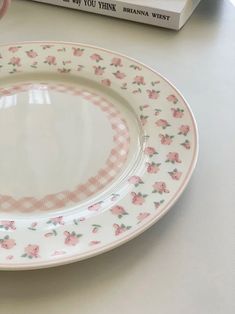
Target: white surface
[185,263]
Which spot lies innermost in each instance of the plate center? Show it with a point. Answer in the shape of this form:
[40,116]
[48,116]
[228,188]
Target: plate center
[59,145]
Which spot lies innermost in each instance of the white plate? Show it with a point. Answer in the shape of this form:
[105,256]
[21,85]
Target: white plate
[95,148]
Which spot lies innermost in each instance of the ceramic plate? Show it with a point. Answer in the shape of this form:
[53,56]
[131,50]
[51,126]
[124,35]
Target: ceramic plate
[95,148]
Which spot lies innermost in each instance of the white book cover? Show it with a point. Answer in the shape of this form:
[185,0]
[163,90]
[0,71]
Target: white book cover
[165,13]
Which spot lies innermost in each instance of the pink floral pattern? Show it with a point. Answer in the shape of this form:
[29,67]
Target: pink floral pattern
[168,141]
[31,251]
[71,238]
[7,243]
[160,187]
[119,211]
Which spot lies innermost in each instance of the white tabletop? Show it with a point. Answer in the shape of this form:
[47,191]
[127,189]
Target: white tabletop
[184,263]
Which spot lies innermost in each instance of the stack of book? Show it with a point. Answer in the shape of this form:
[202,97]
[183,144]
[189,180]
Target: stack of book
[171,14]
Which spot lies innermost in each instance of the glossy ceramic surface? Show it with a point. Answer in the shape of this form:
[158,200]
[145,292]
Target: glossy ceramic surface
[95,148]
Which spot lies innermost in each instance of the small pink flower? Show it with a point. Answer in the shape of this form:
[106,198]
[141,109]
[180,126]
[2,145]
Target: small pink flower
[32,250]
[160,187]
[173,157]
[9,257]
[8,224]
[117,62]
[142,216]
[175,174]
[15,61]
[106,82]
[119,229]
[143,120]
[119,75]
[57,220]
[118,211]
[51,60]
[71,239]
[165,139]
[184,129]
[186,144]
[48,234]
[99,70]
[78,52]
[150,151]
[31,54]
[172,98]
[177,112]
[95,228]
[162,123]
[139,80]
[96,57]
[135,180]
[14,49]
[157,112]
[95,207]
[7,243]
[138,199]
[153,94]
[94,243]
[152,167]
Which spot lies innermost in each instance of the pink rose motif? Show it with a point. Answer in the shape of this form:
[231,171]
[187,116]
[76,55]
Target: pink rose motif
[184,129]
[15,61]
[172,98]
[135,180]
[142,216]
[95,207]
[117,62]
[158,204]
[118,211]
[162,123]
[173,157]
[51,60]
[94,243]
[166,139]
[177,112]
[96,57]
[119,229]
[153,94]
[175,174]
[7,243]
[152,167]
[56,220]
[150,151]
[160,187]
[14,49]
[139,80]
[186,144]
[138,198]
[31,54]
[31,251]
[157,112]
[8,224]
[106,82]
[99,70]
[143,120]
[72,238]
[95,228]
[119,75]
[78,52]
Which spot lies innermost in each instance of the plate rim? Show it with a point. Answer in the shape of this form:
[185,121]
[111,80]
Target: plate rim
[143,227]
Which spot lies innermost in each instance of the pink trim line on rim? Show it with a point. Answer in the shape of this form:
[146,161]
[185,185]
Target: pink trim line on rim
[5,6]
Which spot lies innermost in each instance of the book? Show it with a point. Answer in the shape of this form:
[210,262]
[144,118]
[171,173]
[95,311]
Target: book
[171,14]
